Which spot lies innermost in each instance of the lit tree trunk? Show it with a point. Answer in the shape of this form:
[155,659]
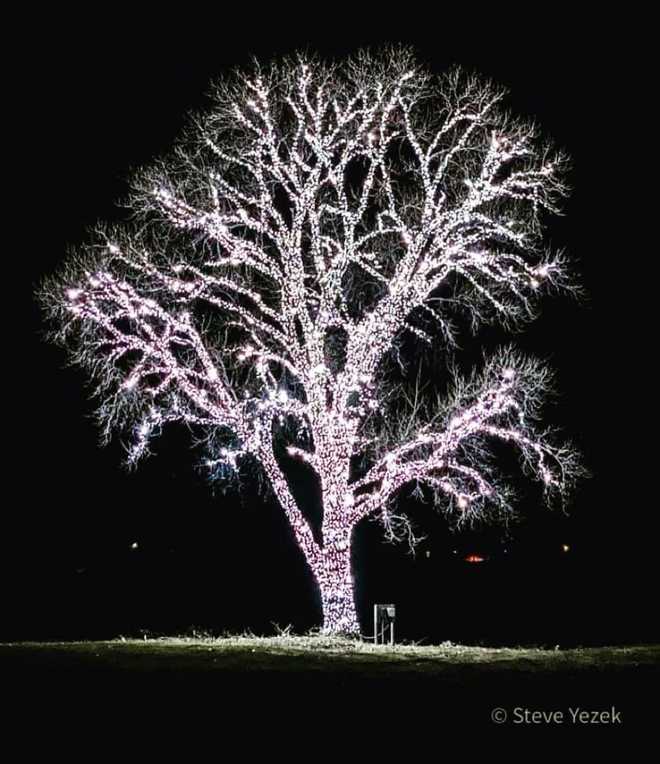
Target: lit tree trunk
[333,575]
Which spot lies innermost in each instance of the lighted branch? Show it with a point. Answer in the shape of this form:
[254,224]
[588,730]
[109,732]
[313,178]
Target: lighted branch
[446,453]
[314,205]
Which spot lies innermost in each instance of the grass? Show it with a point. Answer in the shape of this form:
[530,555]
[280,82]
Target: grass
[314,670]
[301,654]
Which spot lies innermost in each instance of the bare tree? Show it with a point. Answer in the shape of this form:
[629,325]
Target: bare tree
[303,231]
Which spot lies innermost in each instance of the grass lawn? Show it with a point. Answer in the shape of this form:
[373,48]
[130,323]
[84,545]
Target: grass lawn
[446,682]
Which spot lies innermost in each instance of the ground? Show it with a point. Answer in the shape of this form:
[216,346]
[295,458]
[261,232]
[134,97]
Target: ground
[449,683]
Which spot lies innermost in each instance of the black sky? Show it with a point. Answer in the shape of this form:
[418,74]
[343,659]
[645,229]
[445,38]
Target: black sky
[101,99]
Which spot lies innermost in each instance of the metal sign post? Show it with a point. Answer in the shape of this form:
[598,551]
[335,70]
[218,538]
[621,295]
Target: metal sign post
[384,616]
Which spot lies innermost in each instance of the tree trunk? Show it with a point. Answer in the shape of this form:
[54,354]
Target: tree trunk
[335,581]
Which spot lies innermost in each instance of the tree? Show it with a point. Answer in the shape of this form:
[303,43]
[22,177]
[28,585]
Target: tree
[318,222]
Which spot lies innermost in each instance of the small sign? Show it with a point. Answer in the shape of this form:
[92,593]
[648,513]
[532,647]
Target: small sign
[384,617]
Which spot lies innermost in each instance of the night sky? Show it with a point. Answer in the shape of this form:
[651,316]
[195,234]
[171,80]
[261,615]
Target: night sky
[102,101]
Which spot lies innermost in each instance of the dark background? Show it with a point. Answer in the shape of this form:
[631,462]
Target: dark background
[102,98]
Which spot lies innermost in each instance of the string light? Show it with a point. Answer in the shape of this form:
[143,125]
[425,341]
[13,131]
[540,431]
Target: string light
[463,205]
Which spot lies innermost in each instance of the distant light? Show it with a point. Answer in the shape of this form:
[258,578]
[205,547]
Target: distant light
[475,558]
[134,545]
[565,548]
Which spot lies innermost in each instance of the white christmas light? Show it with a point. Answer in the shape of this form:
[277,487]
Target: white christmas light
[542,271]
[461,208]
